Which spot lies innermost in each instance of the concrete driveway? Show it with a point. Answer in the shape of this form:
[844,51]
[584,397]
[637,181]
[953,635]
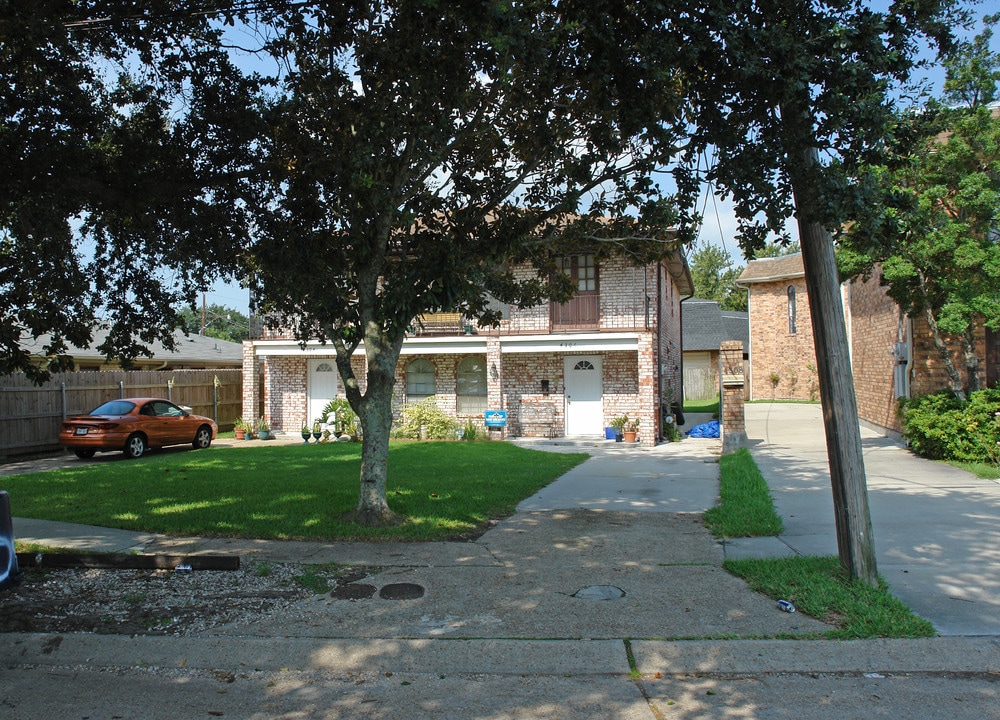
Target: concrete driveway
[937,528]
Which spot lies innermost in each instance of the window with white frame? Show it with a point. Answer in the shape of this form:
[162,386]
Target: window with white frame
[471,386]
[419,380]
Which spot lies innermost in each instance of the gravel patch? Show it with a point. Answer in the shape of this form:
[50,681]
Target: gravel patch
[161,602]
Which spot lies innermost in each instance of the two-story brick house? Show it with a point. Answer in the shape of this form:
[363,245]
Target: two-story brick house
[557,369]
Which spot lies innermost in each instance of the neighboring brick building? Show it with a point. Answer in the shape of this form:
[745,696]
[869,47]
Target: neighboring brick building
[557,369]
[892,354]
[782,352]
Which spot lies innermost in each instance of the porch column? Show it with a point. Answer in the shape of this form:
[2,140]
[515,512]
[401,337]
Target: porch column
[649,404]
[251,380]
[494,381]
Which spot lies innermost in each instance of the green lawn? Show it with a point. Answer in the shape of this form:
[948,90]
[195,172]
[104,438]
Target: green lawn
[711,405]
[441,489]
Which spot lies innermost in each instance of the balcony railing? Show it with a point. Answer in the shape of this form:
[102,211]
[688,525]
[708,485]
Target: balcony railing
[581,313]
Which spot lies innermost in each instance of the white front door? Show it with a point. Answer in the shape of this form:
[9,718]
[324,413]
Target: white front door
[584,407]
[322,386]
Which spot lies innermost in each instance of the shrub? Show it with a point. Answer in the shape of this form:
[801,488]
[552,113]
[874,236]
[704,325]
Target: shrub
[470,431]
[347,419]
[941,427]
[426,413]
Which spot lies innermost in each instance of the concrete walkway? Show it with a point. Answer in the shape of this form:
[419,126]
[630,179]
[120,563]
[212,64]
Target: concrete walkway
[937,528]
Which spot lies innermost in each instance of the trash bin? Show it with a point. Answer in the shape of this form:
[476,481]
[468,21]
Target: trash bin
[8,558]
[610,433]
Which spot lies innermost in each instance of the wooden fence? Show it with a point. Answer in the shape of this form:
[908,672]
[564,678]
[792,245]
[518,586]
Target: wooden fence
[31,415]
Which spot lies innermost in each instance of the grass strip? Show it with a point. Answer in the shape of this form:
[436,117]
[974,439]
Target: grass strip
[986,471]
[710,405]
[441,490]
[745,506]
[817,586]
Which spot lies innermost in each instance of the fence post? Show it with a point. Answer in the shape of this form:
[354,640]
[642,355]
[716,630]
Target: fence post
[62,396]
[215,399]
[121,389]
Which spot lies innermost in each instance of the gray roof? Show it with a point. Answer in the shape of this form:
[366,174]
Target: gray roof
[772,269]
[189,349]
[701,325]
[705,326]
[737,326]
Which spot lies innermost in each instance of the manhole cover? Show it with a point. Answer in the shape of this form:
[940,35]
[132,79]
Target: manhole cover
[401,591]
[353,591]
[599,592]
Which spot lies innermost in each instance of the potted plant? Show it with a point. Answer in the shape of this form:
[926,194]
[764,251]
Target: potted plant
[240,428]
[618,424]
[317,432]
[305,433]
[263,429]
[630,429]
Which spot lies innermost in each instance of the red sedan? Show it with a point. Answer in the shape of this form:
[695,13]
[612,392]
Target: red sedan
[133,425]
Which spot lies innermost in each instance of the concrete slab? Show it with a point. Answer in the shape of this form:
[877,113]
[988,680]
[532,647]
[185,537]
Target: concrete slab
[673,477]
[937,528]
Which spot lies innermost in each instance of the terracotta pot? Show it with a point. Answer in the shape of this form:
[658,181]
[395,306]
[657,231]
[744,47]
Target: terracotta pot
[240,434]
[629,436]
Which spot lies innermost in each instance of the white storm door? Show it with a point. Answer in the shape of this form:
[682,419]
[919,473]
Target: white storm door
[322,386]
[584,406]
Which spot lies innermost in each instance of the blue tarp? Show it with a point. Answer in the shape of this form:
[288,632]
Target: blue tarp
[705,430]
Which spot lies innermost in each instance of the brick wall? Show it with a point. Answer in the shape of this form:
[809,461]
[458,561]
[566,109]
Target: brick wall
[875,325]
[773,349]
[928,374]
[733,420]
[285,401]
[531,412]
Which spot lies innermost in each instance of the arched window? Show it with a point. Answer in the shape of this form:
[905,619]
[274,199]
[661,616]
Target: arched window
[791,310]
[419,380]
[471,386]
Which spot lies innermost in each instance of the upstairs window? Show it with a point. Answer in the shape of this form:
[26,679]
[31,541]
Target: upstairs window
[583,270]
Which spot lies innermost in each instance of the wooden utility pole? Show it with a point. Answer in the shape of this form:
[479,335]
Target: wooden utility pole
[855,541]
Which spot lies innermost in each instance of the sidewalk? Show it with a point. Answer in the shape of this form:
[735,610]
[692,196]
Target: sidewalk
[522,623]
[937,528]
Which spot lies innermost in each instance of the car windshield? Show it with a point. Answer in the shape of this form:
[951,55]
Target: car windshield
[115,407]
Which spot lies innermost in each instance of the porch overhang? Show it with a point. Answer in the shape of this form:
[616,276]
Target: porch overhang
[471,344]
[570,342]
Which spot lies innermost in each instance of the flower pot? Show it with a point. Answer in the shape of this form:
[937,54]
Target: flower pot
[629,436]
[240,434]
[264,434]
[305,437]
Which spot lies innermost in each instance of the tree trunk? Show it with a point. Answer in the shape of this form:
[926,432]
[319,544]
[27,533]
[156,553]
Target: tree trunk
[942,348]
[855,540]
[374,410]
[971,359]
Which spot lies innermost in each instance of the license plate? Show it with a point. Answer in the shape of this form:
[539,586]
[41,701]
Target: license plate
[81,431]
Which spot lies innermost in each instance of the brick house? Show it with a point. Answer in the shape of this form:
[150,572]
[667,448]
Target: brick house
[892,353]
[782,351]
[557,369]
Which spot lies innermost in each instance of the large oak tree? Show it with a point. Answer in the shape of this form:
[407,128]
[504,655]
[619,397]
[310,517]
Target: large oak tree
[418,151]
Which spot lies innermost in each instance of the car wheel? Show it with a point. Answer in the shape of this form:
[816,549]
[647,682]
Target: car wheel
[202,438]
[135,446]
[84,454]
